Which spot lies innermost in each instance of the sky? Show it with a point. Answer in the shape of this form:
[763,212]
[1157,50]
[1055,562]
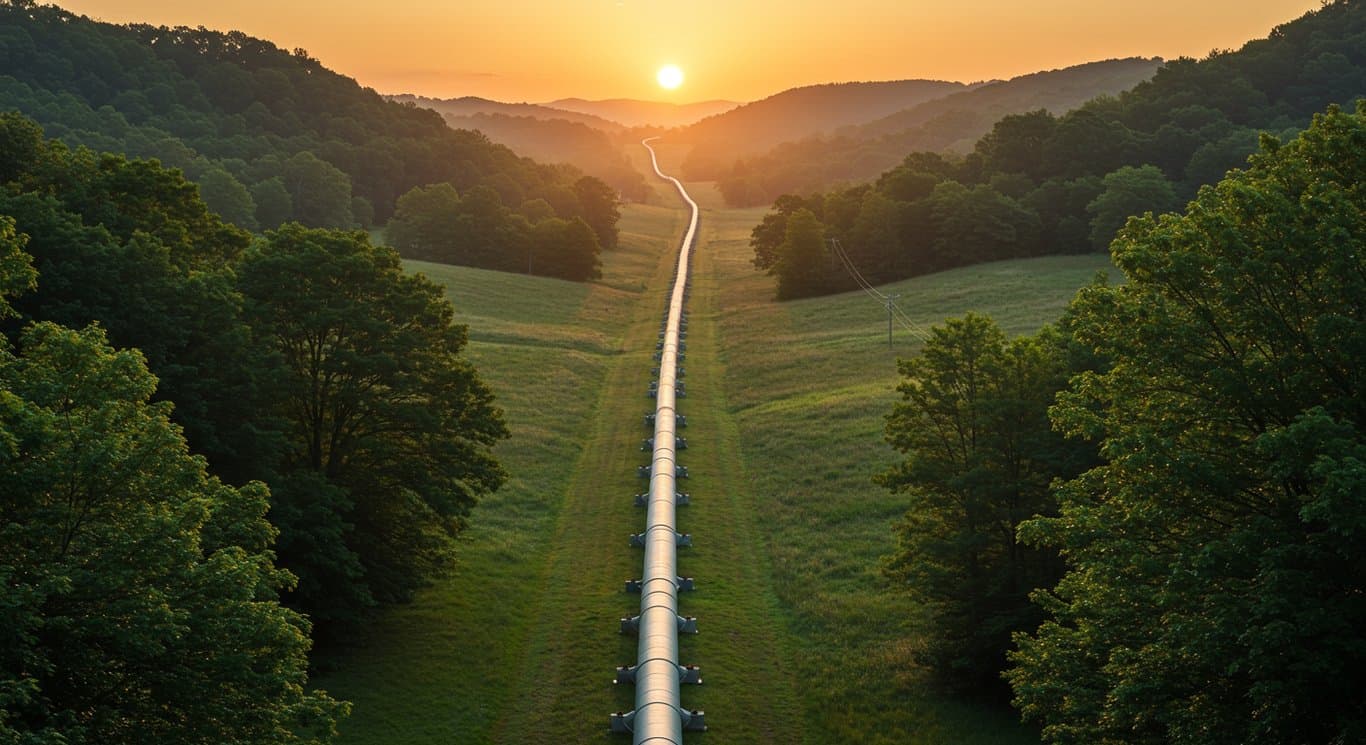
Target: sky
[741,50]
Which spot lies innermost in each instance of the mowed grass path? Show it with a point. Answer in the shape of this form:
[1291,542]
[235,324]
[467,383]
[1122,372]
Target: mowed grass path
[801,641]
[519,645]
[807,384]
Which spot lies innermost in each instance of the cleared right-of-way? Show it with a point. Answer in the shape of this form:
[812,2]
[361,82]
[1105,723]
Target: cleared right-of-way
[659,716]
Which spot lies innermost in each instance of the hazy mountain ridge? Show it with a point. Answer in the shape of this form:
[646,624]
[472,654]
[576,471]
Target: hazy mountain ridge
[796,113]
[636,113]
[952,123]
[560,141]
[473,106]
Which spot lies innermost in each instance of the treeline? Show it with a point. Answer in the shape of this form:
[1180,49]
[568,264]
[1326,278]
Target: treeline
[1042,184]
[339,439]
[270,136]
[592,150]
[950,124]
[1148,518]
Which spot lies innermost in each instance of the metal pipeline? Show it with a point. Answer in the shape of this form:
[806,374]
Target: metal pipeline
[659,716]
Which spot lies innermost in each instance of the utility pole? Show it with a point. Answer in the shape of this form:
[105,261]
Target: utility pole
[890,300]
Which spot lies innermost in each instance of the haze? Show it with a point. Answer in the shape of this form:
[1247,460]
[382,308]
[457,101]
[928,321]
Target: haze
[539,50]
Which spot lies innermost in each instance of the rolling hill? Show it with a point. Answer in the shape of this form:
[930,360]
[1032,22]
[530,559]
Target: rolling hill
[952,123]
[475,106]
[634,113]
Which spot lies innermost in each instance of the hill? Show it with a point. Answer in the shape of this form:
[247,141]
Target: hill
[1039,183]
[475,106]
[559,141]
[634,113]
[953,123]
[797,113]
[269,135]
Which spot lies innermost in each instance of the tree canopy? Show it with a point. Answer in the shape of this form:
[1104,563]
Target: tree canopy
[1042,184]
[1216,558]
[139,599]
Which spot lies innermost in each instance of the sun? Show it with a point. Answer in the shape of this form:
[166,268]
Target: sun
[670,76]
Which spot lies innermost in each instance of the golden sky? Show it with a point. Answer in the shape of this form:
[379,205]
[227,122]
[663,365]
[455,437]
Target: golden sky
[539,50]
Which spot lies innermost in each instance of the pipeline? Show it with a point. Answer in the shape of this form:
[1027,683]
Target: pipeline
[659,716]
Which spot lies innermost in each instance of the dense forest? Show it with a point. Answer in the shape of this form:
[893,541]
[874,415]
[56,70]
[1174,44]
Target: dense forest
[1149,517]
[949,124]
[269,136]
[1043,184]
[301,372]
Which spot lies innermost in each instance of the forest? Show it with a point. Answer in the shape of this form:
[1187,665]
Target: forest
[1147,516]
[272,136]
[1040,184]
[163,391]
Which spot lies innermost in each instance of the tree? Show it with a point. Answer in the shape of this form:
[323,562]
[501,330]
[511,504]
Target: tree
[1217,559]
[802,264]
[320,192]
[427,225]
[274,205]
[600,209]
[228,197]
[16,266]
[1128,191]
[564,248]
[387,425]
[980,456]
[138,596]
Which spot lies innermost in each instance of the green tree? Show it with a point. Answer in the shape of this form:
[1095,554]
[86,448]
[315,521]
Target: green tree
[980,455]
[564,248]
[228,197]
[138,596]
[385,419]
[274,205]
[1128,191]
[427,224]
[1217,560]
[319,191]
[16,266]
[600,209]
[802,266]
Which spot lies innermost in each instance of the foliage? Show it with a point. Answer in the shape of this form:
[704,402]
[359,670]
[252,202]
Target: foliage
[945,124]
[980,457]
[139,596]
[803,256]
[388,428]
[436,224]
[1216,559]
[209,102]
[131,246]
[1075,177]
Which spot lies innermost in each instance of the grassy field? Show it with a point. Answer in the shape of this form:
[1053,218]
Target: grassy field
[801,641]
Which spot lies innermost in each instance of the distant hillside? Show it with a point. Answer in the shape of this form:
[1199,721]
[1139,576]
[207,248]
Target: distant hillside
[1040,183]
[473,106]
[560,141]
[952,123]
[269,135]
[797,113]
[633,113]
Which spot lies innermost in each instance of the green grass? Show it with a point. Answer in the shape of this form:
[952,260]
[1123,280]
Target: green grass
[808,384]
[800,642]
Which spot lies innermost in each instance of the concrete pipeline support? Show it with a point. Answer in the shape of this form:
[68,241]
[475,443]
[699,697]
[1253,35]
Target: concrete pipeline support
[659,716]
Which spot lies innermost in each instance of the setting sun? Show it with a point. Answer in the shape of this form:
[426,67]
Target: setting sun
[670,76]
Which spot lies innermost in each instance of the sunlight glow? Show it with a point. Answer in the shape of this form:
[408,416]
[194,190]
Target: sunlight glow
[670,76]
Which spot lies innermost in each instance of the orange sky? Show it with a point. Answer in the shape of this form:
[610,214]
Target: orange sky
[538,50]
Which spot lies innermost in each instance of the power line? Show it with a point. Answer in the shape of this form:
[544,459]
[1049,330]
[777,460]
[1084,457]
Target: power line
[893,310]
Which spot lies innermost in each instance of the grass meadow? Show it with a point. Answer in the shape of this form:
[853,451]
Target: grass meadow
[800,639]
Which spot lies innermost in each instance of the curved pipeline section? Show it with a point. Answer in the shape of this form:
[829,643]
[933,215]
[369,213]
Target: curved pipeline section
[659,716]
